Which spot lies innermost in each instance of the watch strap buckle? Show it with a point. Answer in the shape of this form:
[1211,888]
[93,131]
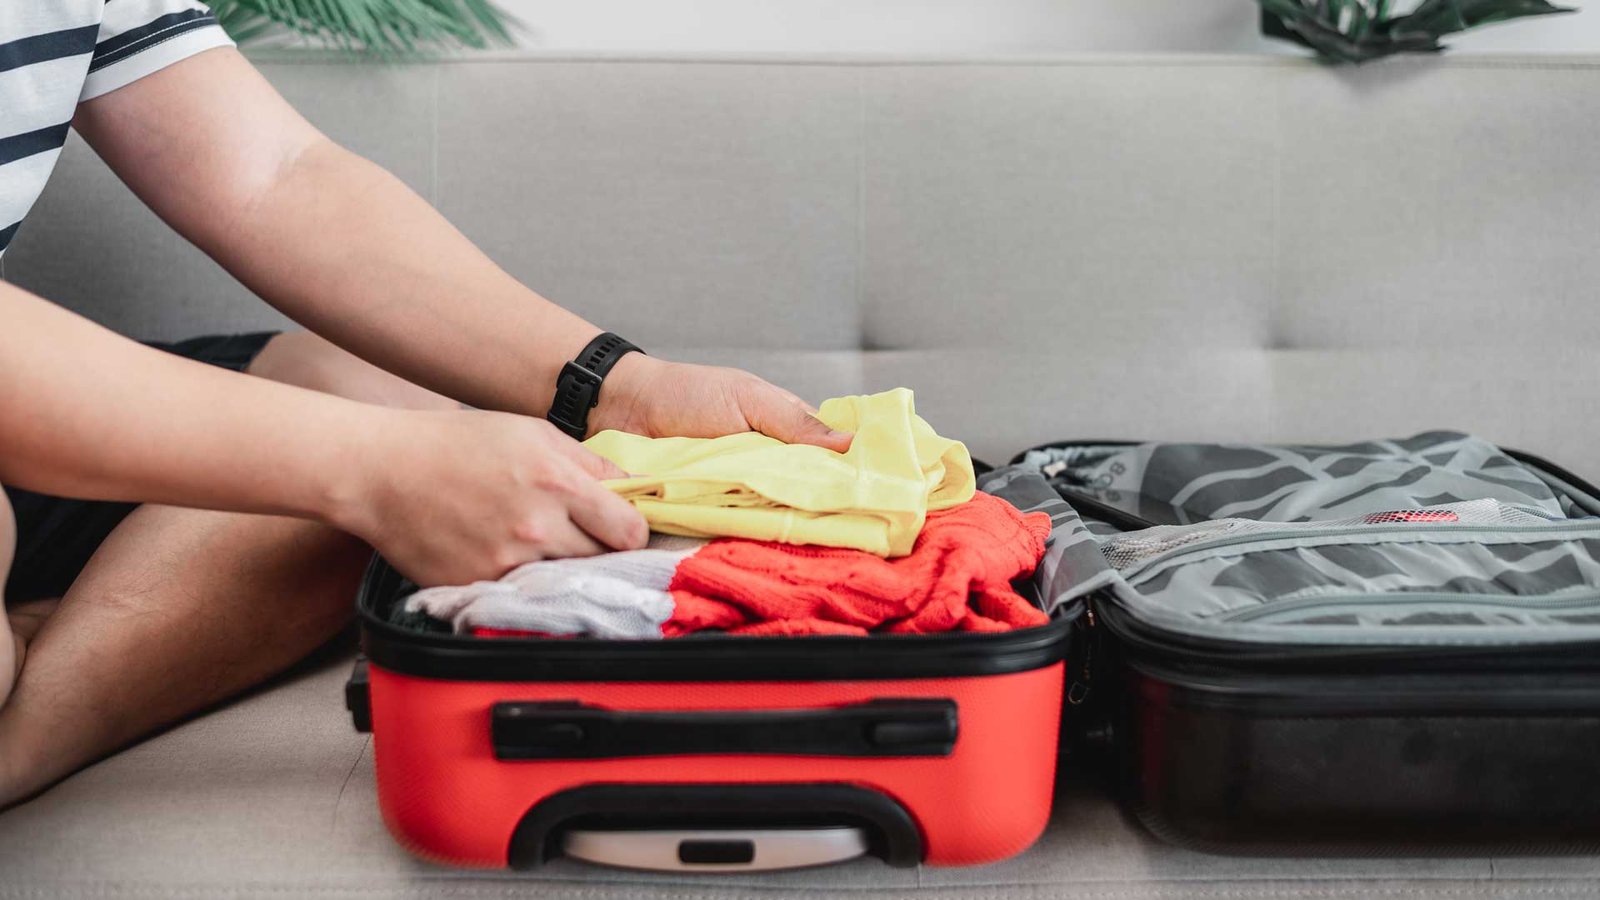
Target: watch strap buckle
[577,392]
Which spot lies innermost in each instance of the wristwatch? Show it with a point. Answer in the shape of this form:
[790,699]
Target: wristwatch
[578,387]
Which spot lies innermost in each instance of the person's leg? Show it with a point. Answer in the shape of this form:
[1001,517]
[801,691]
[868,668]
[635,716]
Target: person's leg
[11,647]
[28,617]
[305,360]
[180,609]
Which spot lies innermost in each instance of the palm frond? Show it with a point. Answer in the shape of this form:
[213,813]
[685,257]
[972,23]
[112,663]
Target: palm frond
[384,28]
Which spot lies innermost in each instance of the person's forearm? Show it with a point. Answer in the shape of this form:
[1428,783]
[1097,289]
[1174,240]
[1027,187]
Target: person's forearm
[330,238]
[87,413]
[346,248]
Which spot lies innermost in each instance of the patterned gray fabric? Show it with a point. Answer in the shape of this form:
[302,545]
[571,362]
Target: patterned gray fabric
[1343,578]
[1342,547]
[1184,483]
[1073,565]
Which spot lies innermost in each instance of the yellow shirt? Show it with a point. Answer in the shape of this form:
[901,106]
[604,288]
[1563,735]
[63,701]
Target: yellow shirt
[872,497]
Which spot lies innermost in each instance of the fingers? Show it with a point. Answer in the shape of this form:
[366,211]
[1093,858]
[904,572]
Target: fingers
[591,519]
[606,517]
[780,414]
[564,538]
[796,426]
[810,430]
[592,463]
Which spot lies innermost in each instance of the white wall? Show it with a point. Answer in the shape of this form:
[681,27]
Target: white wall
[959,26]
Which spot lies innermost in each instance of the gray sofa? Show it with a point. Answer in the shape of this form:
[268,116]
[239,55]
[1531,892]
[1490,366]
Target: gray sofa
[1172,247]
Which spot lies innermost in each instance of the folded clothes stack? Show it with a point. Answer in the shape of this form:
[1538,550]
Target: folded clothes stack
[873,497]
[756,537]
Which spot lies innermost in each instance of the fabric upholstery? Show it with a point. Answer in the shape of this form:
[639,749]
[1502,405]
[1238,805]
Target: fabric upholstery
[1174,248]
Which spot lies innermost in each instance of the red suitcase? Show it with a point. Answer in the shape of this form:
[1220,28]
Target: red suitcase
[710,752]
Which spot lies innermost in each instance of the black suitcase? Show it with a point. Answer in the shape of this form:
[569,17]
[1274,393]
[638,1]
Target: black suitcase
[1376,675]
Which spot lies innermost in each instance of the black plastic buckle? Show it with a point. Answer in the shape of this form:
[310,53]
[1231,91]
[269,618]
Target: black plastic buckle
[577,392]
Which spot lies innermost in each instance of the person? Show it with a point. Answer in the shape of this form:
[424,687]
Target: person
[225,492]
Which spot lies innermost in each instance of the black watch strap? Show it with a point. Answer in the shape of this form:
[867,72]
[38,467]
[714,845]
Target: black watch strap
[578,387]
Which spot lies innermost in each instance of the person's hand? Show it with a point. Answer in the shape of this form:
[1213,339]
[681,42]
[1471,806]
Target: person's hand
[656,398]
[455,497]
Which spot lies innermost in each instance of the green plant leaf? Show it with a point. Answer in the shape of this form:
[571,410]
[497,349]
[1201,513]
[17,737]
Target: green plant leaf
[383,28]
[1283,9]
[1360,22]
[1355,31]
[1439,17]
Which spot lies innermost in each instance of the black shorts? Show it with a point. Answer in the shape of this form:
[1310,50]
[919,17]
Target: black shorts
[56,536]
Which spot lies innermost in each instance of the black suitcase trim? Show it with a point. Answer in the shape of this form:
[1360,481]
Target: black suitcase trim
[1431,753]
[698,658]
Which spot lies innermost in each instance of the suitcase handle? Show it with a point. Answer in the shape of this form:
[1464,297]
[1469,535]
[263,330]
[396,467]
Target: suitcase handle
[572,730]
[627,809]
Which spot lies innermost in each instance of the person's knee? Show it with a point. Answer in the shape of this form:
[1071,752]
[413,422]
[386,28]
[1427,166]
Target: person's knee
[306,360]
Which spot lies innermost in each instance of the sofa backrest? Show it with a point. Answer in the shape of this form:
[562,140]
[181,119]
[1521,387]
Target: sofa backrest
[1208,248]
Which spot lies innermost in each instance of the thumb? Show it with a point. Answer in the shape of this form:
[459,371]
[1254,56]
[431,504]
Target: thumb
[782,415]
[593,463]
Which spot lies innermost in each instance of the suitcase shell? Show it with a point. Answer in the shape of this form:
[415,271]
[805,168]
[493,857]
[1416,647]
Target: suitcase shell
[942,748]
[1246,747]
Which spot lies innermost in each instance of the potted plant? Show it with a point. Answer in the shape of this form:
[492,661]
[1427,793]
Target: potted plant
[1355,31]
[382,28]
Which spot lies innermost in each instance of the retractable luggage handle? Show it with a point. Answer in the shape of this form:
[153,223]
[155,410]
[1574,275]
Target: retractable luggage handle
[573,730]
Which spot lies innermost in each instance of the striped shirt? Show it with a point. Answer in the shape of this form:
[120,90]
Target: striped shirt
[55,54]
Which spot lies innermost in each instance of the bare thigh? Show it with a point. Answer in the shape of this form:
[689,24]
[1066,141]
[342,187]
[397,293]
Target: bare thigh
[305,360]
[11,647]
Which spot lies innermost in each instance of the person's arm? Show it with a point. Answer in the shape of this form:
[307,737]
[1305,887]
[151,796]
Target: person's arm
[449,497]
[344,247]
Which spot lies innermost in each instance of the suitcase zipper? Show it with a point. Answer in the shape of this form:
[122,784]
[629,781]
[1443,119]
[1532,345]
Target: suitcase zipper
[1305,604]
[1213,653]
[1083,671]
[1318,537]
[1580,490]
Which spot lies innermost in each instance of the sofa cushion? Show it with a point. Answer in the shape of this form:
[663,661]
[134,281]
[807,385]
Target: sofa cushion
[1171,247]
